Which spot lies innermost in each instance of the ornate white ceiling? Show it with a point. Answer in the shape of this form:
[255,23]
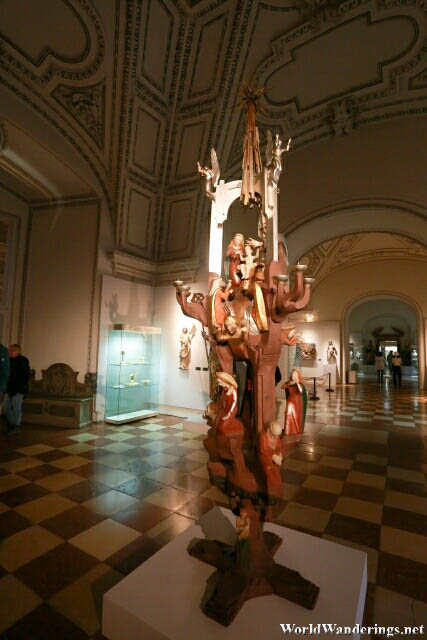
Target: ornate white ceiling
[141,89]
[356,248]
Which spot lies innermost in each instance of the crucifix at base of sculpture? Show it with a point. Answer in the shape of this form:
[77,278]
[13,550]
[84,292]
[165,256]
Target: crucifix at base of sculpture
[244,320]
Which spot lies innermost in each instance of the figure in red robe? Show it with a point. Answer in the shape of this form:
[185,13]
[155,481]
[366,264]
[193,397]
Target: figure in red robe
[296,403]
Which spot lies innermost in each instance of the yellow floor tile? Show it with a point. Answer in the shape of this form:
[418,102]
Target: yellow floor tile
[77,603]
[11,481]
[371,459]
[104,539]
[16,600]
[79,447]
[171,527]
[301,515]
[406,474]
[59,481]
[366,479]
[110,502]
[360,509]
[113,477]
[403,543]
[45,507]
[21,464]
[26,545]
[301,466]
[201,472]
[197,456]
[35,449]
[69,462]
[338,463]
[393,609]
[406,501]
[320,483]
[170,498]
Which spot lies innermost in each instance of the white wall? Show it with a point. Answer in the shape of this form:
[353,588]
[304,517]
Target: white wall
[16,212]
[179,388]
[320,333]
[61,273]
[122,302]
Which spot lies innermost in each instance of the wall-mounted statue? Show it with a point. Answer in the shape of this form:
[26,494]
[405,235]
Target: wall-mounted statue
[331,353]
[296,403]
[185,349]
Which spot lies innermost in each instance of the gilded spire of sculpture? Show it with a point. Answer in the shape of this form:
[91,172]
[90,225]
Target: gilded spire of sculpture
[252,163]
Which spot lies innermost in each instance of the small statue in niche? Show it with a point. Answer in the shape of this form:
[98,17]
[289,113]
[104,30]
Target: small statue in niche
[270,451]
[226,421]
[219,294]
[185,348]
[331,353]
[296,403]
[251,260]
[236,254]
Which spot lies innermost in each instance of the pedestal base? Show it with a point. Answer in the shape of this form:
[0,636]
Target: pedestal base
[162,598]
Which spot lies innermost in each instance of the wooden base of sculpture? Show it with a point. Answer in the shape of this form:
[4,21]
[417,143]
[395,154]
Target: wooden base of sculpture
[240,577]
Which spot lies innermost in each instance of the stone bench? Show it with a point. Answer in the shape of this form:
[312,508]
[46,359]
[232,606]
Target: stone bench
[58,399]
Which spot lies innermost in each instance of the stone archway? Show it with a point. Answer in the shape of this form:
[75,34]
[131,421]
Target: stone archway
[385,295]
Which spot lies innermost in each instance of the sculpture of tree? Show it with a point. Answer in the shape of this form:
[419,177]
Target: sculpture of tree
[245,320]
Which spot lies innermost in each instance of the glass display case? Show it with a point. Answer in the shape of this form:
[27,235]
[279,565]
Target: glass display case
[132,380]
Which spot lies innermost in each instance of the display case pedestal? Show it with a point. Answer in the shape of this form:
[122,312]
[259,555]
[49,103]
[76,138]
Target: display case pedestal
[161,599]
[131,416]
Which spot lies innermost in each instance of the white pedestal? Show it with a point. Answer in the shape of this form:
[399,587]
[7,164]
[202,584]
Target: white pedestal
[161,599]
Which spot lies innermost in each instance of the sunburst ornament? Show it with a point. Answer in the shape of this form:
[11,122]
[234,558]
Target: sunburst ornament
[252,163]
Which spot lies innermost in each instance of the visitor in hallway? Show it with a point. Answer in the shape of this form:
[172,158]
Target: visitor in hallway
[389,361]
[17,386]
[379,365]
[397,368]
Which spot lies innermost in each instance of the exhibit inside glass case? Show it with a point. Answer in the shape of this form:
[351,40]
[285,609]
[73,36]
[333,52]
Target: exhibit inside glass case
[132,373]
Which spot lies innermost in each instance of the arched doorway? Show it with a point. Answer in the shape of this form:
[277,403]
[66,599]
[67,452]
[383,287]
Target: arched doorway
[386,324]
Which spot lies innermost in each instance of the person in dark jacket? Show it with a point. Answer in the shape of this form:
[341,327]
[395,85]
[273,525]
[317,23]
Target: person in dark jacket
[17,386]
[4,369]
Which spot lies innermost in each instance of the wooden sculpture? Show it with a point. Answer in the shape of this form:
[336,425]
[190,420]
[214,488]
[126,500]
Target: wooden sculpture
[246,321]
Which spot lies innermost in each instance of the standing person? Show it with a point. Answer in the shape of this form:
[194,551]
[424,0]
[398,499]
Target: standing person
[397,368]
[389,359]
[379,365]
[296,403]
[4,369]
[17,385]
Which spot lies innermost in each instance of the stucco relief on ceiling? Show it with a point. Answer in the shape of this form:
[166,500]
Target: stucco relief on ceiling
[342,252]
[170,71]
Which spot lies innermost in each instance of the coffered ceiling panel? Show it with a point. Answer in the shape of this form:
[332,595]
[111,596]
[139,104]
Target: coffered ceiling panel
[140,221]
[159,31]
[180,227]
[44,38]
[208,56]
[190,148]
[148,134]
[329,58]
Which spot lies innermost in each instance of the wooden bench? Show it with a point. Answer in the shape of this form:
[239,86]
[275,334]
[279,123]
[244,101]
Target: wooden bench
[58,399]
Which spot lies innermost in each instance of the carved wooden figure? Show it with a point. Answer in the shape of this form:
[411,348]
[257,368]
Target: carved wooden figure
[245,449]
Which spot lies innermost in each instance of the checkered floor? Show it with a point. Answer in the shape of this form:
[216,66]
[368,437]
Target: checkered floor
[81,509]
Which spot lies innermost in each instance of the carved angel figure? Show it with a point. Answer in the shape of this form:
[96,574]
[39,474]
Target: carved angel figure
[274,156]
[211,175]
[185,349]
